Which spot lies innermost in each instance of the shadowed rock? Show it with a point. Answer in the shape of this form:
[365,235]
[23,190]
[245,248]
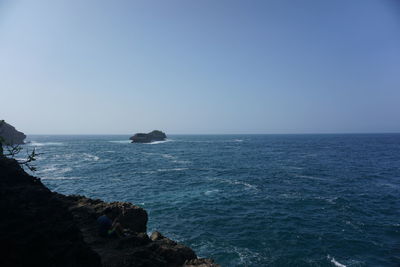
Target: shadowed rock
[149,137]
[37,229]
[10,135]
[43,228]
[200,263]
[86,209]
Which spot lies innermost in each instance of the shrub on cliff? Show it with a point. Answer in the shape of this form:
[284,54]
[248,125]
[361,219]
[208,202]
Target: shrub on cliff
[13,150]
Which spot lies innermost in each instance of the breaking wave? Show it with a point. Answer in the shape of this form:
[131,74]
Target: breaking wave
[34,143]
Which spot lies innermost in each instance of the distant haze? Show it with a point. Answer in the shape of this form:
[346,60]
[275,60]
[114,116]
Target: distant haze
[120,67]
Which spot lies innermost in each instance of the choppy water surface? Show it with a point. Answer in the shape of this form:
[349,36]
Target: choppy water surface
[247,200]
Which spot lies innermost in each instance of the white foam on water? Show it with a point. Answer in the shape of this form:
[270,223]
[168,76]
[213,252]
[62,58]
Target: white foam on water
[391,185]
[247,256]
[237,182]
[212,141]
[149,153]
[295,168]
[310,177]
[197,141]
[59,178]
[121,141]
[159,142]
[146,172]
[290,196]
[330,200]
[210,192]
[335,262]
[90,157]
[66,156]
[173,169]
[182,161]
[54,169]
[34,143]
[168,156]
[246,185]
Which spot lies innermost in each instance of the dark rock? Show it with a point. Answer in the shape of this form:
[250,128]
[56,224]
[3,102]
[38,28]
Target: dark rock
[43,228]
[135,240]
[175,254]
[156,236]
[10,135]
[200,263]
[149,137]
[36,229]
[85,209]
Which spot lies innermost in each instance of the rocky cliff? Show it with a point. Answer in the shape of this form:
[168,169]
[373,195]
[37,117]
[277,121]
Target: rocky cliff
[43,228]
[10,135]
[149,137]
[36,229]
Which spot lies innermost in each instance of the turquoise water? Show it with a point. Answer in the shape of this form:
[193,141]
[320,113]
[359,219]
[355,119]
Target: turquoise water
[247,200]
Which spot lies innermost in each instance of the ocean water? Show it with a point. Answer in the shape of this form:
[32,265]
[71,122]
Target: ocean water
[247,200]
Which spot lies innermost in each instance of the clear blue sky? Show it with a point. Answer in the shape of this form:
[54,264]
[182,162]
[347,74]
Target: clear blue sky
[206,66]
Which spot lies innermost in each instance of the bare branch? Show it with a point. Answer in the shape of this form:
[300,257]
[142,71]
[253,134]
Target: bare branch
[13,150]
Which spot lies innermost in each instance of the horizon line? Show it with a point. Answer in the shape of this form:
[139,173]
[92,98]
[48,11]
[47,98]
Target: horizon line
[310,133]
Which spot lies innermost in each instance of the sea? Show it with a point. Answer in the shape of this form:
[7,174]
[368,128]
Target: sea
[246,200]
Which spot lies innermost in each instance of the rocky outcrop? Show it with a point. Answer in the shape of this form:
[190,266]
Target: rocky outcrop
[37,229]
[200,263]
[10,135]
[149,137]
[43,228]
[88,210]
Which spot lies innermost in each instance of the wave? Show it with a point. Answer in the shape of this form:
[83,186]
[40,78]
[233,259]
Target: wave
[173,158]
[237,182]
[310,177]
[159,142]
[182,161]
[210,192]
[295,168]
[145,172]
[247,185]
[121,141]
[164,155]
[59,178]
[212,141]
[197,141]
[162,170]
[335,262]
[54,169]
[246,255]
[173,169]
[90,157]
[34,143]
[168,156]
[67,156]
[150,153]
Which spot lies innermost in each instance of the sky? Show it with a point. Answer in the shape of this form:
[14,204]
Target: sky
[200,67]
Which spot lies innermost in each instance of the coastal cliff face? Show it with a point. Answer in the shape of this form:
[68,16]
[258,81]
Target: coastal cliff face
[10,135]
[35,228]
[43,228]
[149,137]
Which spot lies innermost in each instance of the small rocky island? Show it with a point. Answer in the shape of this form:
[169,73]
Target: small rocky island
[149,137]
[10,135]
